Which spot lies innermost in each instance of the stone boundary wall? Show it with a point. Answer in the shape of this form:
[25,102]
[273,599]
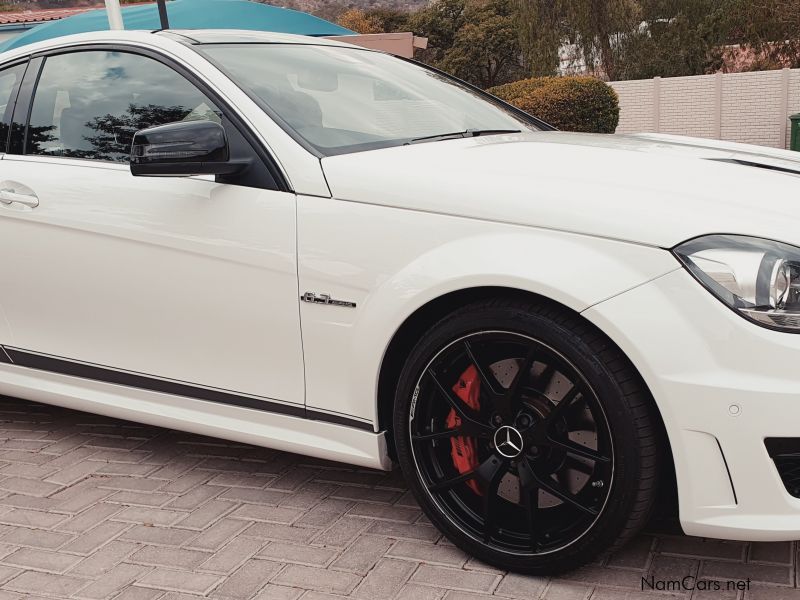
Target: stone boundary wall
[752,107]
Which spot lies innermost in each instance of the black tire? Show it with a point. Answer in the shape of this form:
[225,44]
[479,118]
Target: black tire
[595,501]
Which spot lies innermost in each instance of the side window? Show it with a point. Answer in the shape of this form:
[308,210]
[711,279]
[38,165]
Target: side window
[89,104]
[9,83]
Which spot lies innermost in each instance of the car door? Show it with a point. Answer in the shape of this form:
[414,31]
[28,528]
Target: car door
[183,285]
[10,80]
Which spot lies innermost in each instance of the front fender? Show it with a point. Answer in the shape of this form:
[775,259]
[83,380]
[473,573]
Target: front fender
[391,262]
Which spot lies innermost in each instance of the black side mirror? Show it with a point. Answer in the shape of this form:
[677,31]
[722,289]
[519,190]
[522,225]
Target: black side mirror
[181,149]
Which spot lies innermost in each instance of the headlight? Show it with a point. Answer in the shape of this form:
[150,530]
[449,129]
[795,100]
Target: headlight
[759,279]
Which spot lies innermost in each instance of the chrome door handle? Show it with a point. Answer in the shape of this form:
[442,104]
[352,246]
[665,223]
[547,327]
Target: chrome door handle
[10,197]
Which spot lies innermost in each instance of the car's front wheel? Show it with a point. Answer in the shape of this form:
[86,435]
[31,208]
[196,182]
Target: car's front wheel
[526,436]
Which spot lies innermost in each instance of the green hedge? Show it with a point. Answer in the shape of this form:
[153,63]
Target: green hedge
[568,103]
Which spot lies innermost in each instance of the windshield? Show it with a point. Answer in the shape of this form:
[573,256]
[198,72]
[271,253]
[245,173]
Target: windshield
[340,100]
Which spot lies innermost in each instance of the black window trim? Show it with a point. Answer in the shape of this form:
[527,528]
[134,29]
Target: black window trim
[13,98]
[19,120]
[31,85]
[281,181]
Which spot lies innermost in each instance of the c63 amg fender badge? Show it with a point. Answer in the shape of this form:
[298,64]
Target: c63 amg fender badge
[325,299]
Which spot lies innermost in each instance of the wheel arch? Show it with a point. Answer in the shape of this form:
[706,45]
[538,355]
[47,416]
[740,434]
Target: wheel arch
[409,331]
[438,308]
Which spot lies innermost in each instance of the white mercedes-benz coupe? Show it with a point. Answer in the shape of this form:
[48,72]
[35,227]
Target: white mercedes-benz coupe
[327,250]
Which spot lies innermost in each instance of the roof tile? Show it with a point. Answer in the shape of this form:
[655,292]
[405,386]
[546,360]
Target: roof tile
[39,16]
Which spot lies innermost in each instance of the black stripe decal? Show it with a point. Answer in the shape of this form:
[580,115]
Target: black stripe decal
[62,366]
[318,415]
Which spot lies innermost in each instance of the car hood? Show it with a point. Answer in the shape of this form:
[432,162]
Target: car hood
[651,189]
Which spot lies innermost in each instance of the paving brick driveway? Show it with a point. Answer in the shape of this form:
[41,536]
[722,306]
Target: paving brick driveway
[96,508]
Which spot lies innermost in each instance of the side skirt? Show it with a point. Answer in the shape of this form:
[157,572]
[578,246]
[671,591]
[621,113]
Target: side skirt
[64,366]
[246,425]
[182,406]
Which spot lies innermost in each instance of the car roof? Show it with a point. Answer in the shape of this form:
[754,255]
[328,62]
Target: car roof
[185,36]
[239,36]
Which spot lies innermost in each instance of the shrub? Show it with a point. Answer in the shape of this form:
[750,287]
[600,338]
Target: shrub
[568,103]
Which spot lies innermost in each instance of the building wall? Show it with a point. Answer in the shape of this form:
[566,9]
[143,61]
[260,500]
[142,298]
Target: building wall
[751,107]
[399,44]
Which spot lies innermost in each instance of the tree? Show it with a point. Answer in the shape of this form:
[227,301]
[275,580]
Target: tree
[542,34]
[674,37]
[769,28]
[486,50]
[440,22]
[475,40]
[359,21]
[592,27]
[390,19]
[627,39]
[597,28]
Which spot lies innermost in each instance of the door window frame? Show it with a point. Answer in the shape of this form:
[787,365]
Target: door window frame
[23,107]
[12,100]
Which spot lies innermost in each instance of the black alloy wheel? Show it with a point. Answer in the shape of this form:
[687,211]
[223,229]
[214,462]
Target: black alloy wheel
[523,433]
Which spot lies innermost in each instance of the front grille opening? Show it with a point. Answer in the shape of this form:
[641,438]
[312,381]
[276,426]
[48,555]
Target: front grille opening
[785,453]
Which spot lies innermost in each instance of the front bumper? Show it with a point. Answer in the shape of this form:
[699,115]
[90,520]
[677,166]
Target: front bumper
[722,385]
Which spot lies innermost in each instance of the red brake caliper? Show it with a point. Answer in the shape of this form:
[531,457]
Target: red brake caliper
[463,449]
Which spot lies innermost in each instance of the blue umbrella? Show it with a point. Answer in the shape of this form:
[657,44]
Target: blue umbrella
[188,14]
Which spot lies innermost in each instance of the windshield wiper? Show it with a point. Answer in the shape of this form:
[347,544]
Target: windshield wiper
[462,134]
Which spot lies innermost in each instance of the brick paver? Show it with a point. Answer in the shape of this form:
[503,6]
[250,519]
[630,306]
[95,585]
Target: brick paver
[95,508]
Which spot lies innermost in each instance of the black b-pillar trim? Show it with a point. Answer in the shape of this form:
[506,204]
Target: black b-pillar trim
[4,357]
